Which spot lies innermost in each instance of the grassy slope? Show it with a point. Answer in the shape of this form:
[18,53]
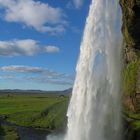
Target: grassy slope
[41,111]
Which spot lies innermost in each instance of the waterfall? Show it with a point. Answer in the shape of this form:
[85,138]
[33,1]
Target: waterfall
[94,110]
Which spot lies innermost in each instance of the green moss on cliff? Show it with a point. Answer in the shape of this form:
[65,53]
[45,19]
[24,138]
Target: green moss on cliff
[131,73]
[128,15]
[128,38]
[131,36]
[129,78]
[133,119]
[136,124]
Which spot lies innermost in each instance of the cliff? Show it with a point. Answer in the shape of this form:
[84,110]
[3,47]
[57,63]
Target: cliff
[131,73]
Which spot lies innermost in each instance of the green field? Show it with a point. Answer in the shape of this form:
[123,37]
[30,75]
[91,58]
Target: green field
[36,110]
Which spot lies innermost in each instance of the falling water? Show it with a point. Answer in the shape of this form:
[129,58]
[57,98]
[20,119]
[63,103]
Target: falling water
[94,110]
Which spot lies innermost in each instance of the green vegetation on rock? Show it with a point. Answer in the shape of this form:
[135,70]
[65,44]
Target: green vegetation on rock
[129,78]
[128,15]
[131,73]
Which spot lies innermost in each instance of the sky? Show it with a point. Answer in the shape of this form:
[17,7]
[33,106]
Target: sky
[40,42]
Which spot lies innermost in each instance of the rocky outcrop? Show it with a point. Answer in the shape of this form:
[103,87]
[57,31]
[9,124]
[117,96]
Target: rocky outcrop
[131,82]
[131,33]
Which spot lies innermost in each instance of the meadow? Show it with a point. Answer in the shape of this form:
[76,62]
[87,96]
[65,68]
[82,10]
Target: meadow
[42,111]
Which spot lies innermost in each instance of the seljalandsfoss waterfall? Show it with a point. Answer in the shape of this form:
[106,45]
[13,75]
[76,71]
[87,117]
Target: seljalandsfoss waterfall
[94,110]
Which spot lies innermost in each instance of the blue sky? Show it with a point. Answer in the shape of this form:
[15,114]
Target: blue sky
[40,42]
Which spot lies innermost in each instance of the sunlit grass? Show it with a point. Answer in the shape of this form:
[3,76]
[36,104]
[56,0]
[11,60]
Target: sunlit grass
[36,111]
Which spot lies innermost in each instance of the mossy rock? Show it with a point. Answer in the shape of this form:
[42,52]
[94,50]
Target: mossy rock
[131,22]
[130,78]
[128,15]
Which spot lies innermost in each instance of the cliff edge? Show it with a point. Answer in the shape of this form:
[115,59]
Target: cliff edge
[131,72]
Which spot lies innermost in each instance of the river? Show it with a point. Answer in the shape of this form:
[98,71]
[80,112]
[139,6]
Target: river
[27,133]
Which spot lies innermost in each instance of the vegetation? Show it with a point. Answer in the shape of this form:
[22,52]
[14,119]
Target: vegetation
[130,30]
[133,119]
[130,76]
[8,133]
[128,15]
[39,111]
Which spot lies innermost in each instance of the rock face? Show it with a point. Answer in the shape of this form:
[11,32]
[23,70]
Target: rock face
[131,82]
[131,32]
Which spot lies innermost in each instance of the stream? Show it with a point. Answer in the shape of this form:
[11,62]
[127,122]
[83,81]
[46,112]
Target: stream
[27,133]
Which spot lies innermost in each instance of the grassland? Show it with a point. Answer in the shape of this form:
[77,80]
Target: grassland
[42,111]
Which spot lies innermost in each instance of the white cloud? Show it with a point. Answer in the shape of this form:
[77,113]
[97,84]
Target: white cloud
[24,47]
[78,3]
[21,69]
[37,74]
[41,79]
[51,49]
[35,14]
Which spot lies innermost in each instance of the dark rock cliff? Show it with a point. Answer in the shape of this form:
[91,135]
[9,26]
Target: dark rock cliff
[131,74]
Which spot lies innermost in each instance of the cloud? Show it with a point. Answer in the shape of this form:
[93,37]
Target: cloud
[38,15]
[51,49]
[27,47]
[37,74]
[78,3]
[60,81]
[21,69]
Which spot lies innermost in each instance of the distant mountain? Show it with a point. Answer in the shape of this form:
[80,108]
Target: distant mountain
[18,91]
[67,91]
